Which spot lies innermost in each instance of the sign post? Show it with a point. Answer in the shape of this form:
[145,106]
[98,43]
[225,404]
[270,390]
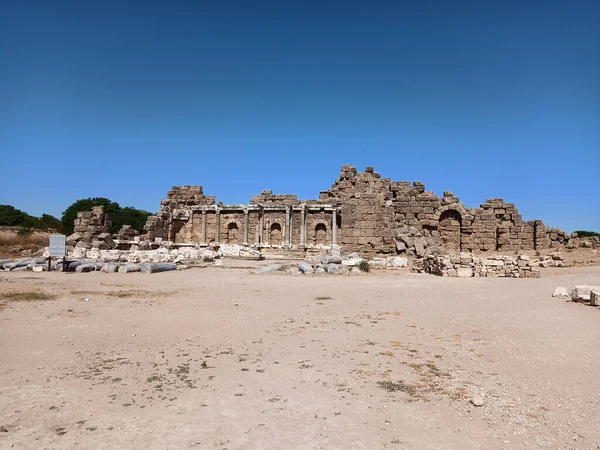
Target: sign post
[58,248]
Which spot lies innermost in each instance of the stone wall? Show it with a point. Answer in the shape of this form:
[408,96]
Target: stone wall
[467,265]
[371,215]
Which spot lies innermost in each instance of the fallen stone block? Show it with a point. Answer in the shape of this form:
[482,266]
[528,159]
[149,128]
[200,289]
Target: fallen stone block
[110,267]
[246,252]
[595,297]
[128,268]
[157,267]
[90,267]
[464,272]
[398,261]
[305,268]
[561,291]
[270,268]
[582,293]
[332,268]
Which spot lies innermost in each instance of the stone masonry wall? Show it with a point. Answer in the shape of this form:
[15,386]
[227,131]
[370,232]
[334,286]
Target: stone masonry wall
[376,216]
[467,265]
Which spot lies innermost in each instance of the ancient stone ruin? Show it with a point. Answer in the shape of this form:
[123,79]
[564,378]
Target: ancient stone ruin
[361,212]
[467,265]
[92,230]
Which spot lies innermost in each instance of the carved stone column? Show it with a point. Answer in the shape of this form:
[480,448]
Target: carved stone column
[262,227]
[218,226]
[287,226]
[204,226]
[303,225]
[246,225]
[334,230]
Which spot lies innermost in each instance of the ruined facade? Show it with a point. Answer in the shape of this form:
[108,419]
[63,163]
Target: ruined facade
[361,212]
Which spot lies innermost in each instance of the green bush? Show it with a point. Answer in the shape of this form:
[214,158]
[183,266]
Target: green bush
[24,232]
[364,266]
[583,233]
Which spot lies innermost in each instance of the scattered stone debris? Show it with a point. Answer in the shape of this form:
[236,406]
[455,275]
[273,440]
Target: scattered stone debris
[467,265]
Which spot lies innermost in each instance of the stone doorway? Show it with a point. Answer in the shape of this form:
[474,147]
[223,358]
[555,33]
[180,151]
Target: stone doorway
[449,229]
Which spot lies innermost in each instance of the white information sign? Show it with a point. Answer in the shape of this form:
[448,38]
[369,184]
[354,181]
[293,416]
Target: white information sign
[58,243]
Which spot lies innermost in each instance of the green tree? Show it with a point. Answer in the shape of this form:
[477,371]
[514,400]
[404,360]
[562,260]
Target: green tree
[10,216]
[86,204]
[118,216]
[135,217]
[50,221]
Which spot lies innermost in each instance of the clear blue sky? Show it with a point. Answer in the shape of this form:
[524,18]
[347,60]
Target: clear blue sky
[125,99]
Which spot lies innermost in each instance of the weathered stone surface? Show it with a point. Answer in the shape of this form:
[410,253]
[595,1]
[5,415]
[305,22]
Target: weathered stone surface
[270,268]
[246,252]
[595,297]
[582,292]
[464,272]
[399,262]
[332,268]
[305,268]
[491,266]
[561,291]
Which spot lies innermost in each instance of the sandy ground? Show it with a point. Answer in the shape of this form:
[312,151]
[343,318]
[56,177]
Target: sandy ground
[220,358]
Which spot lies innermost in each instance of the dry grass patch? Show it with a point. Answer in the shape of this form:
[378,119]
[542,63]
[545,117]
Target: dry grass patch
[23,296]
[11,244]
[118,294]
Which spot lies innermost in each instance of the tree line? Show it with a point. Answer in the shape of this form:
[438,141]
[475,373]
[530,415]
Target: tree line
[119,216]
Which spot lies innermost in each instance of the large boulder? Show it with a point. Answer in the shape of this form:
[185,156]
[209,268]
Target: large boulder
[332,268]
[305,268]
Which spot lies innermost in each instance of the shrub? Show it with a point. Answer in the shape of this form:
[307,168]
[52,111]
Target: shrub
[364,266]
[25,232]
[583,233]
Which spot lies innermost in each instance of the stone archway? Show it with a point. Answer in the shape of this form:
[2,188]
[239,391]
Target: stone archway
[320,233]
[449,227]
[275,234]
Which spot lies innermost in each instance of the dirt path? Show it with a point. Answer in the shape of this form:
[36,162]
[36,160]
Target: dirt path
[224,359]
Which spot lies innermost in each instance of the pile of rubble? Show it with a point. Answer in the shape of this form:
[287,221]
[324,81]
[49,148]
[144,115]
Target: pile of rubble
[468,265]
[410,241]
[583,242]
[92,230]
[161,254]
[580,293]
[351,264]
